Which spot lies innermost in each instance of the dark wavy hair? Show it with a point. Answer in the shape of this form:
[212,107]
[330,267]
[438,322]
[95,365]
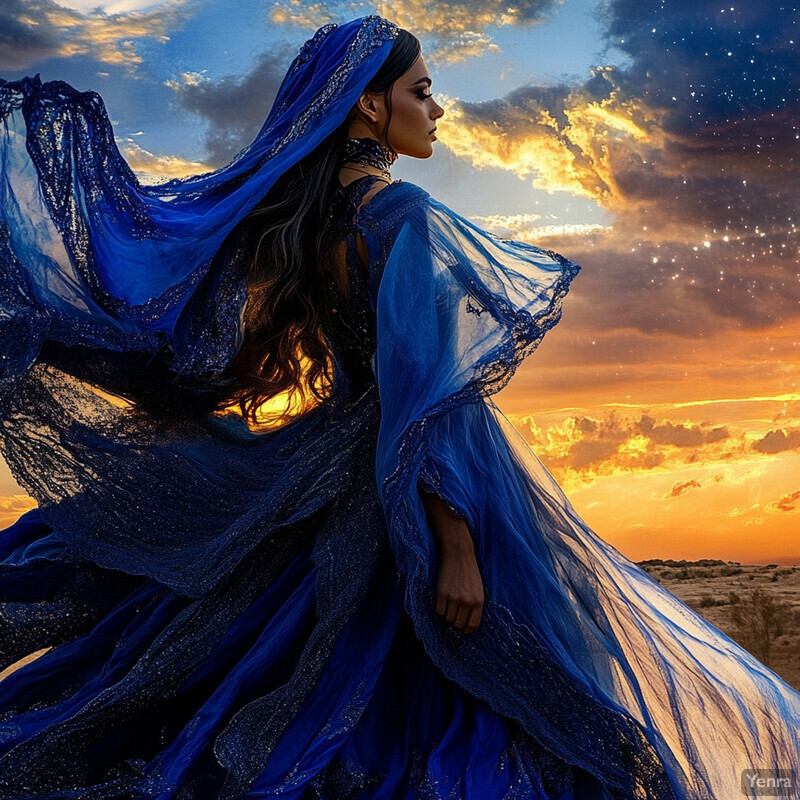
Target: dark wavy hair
[287,261]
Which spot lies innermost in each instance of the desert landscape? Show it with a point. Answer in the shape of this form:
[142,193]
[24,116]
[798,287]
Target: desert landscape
[758,606]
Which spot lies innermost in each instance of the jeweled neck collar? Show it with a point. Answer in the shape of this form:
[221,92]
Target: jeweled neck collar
[369,152]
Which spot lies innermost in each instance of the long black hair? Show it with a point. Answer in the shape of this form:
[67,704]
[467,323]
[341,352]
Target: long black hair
[285,239]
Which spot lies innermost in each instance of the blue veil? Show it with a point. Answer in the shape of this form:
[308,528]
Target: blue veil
[101,275]
[93,257]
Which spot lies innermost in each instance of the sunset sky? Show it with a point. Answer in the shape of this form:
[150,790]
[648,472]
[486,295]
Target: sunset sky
[655,142]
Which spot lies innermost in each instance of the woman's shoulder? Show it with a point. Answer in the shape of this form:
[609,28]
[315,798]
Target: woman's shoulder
[390,204]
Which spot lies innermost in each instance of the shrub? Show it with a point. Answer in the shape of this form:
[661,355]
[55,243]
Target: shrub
[759,619]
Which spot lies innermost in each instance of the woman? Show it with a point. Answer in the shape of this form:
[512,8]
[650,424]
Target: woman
[384,596]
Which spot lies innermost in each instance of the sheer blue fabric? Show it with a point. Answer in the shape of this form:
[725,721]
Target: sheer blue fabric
[110,278]
[93,257]
[457,310]
[241,615]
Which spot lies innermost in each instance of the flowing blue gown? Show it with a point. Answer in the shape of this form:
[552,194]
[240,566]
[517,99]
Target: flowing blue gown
[242,615]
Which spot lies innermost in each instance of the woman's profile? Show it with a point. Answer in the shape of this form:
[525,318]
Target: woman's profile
[286,545]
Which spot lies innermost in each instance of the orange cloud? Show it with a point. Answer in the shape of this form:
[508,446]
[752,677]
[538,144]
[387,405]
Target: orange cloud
[679,488]
[44,29]
[787,502]
[12,507]
[581,449]
[453,32]
[778,440]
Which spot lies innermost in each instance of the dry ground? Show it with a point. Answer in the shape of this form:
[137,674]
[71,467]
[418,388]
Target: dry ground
[708,586]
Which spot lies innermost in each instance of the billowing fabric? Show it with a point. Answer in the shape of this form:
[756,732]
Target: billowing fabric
[92,257]
[251,615]
[136,286]
[457,310]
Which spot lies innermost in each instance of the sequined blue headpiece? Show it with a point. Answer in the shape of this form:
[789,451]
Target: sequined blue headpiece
[146,255]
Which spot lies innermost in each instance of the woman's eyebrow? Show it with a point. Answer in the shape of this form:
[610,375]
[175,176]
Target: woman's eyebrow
[422,80]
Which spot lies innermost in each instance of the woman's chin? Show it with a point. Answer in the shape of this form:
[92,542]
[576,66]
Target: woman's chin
[422,151]
[428,151]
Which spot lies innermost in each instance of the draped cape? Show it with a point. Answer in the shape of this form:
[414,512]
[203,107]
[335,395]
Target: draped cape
[591,655]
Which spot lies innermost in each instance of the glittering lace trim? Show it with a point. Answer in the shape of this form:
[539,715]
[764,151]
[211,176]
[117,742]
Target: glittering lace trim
[369,37]
[431,481]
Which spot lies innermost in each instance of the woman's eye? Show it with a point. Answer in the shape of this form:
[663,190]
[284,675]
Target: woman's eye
[425,96]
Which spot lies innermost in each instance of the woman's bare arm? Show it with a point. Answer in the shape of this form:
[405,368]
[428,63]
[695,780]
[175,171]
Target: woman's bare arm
[459,588]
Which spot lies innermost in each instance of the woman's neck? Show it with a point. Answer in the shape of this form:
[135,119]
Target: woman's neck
[369,156]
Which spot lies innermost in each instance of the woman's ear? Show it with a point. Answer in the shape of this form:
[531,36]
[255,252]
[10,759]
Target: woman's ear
[370,106]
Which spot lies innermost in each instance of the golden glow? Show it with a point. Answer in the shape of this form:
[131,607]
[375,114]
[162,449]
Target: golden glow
[187,79]
[150,168]
[519,227]
[672,458]
[13,506]
[539,153]
[287,406]
[107,37]
[579,157]
[115,400]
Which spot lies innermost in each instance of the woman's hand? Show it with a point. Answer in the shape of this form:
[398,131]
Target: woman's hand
[459,587]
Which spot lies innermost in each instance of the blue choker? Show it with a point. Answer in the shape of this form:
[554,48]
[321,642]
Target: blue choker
[369,152]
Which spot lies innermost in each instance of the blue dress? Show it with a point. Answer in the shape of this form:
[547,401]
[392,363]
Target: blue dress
[240,615]
[349,703]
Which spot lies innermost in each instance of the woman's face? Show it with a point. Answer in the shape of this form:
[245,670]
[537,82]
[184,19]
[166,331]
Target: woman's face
[414,113]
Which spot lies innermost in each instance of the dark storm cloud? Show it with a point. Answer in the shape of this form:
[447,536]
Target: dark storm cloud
[706,61]
[696,139]
[726,79]
[236,107]
[26,35]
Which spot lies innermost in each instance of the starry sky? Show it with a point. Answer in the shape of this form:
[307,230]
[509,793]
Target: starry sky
[655,142]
